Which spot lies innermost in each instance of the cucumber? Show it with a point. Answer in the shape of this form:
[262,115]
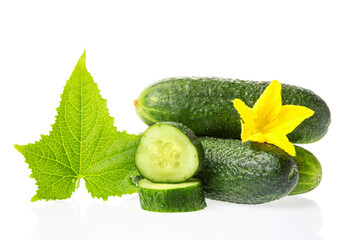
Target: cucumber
[310,172]
[205,105]
[168,152]
[248,173]
[176,197]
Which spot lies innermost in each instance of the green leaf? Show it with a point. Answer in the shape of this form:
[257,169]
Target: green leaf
[84,144]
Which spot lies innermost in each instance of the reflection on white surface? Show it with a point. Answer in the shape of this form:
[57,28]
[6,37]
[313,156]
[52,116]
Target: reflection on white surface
[289,218]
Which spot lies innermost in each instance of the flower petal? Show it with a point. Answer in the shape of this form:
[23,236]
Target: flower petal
[280,140]
[288,119]
[246,113]
[268,106]
[257,137]
[248,117]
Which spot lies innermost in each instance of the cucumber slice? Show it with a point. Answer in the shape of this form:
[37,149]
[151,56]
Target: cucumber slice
[171,197]
[168,152]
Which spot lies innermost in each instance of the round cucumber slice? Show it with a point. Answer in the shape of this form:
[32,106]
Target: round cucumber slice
[171,197]
[168,152]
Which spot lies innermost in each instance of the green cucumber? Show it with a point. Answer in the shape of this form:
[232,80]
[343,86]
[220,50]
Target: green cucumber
[176,197]
[205,105]
[310,172]
[249,172]
[168,152]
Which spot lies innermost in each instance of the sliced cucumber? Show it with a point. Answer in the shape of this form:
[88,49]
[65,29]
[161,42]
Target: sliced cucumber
[171,197]
[168,152]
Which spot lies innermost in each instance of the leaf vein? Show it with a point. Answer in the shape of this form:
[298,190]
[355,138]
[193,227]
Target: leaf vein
[115,155]
[51,159]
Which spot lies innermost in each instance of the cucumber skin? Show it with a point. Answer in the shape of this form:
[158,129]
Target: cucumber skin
[205,105]
[248,173]
[310,172]
[191,136]
[172,200]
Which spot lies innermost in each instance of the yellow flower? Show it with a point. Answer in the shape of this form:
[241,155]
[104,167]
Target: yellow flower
[270,121]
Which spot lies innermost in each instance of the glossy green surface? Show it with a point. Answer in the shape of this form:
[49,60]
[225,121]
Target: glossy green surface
[176,197]
[205,106]
[310,172]
[249,173]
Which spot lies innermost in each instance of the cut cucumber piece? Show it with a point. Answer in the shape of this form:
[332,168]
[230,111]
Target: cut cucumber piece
[168,152]
[171,197]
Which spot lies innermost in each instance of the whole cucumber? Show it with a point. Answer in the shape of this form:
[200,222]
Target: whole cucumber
[248,173]
[205,106]
[310,172]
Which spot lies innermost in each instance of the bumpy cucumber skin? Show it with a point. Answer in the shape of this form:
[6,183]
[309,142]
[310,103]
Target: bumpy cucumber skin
[310,172]
[205,105]
[248,173]
[191,136]
[172,200]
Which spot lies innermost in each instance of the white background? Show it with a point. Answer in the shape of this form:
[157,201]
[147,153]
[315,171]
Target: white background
[130,44]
